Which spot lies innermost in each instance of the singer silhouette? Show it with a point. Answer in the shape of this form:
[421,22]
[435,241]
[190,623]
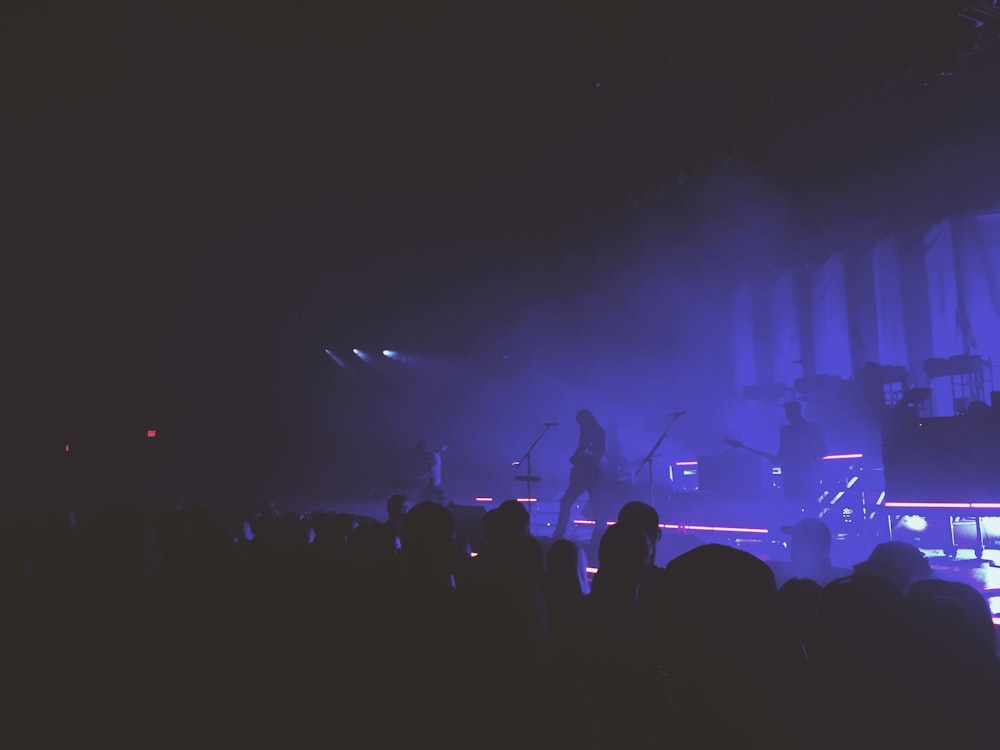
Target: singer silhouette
[588,460]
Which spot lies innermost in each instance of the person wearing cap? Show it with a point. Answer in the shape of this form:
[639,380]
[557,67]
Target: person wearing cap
[898,563]
[809,554]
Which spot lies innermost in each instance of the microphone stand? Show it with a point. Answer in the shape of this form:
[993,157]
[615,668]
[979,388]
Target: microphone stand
[648,460]
[526,458]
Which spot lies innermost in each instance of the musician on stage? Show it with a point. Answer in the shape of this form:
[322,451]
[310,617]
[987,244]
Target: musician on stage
[588,461]
[429,473]
[616,484]
[800,455]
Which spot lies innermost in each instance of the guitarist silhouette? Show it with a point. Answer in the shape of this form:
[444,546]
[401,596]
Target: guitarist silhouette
[588,461]
[801,448]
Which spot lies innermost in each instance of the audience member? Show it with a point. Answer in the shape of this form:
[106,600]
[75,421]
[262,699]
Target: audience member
[898,563]
[267,628]
[809,554]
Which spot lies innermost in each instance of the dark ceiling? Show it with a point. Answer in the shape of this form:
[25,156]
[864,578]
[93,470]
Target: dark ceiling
[196,193]
[246,156]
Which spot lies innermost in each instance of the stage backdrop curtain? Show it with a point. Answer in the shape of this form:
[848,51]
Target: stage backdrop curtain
[862,316]
[829,312]
[977,252]
[942,290]
[786,344]
[963,279]
[890,321]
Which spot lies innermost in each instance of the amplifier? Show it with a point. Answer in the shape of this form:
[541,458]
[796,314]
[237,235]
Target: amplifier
[943,459]
[734,474]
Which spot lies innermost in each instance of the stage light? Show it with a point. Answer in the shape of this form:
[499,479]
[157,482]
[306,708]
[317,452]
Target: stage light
[390,354]
[733,529]
[361,355]
[151,433]
[944,506]
[990,526]
[337,360]
[916,524]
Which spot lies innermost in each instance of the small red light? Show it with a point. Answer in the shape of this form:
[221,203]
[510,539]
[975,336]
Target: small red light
[150,433]
[67,447]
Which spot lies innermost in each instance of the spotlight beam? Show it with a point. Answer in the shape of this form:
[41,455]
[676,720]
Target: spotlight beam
[337,360]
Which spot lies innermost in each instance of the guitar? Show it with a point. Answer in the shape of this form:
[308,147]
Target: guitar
[737,444]
[587,458]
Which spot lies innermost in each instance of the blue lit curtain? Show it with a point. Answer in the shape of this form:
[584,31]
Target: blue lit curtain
[942,287]
[862,312]
[891,323]
[976,241]
[962,265]
[786,345]
[829,312]
[942,291]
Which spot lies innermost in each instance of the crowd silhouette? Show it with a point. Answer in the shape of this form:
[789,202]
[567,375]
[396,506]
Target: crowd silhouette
[133,626]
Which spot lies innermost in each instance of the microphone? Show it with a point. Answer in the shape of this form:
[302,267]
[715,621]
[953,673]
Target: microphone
[550,424]
[676,414]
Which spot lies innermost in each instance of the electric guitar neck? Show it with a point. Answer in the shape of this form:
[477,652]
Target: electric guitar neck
[738,444]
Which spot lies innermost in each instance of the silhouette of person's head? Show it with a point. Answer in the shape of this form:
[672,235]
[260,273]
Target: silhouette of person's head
[585,418]
[719,578]
[898,563]
[644,517]
[674,544]
[510,521]
[810,540]
[623,555]
[973,619]
[727,670]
